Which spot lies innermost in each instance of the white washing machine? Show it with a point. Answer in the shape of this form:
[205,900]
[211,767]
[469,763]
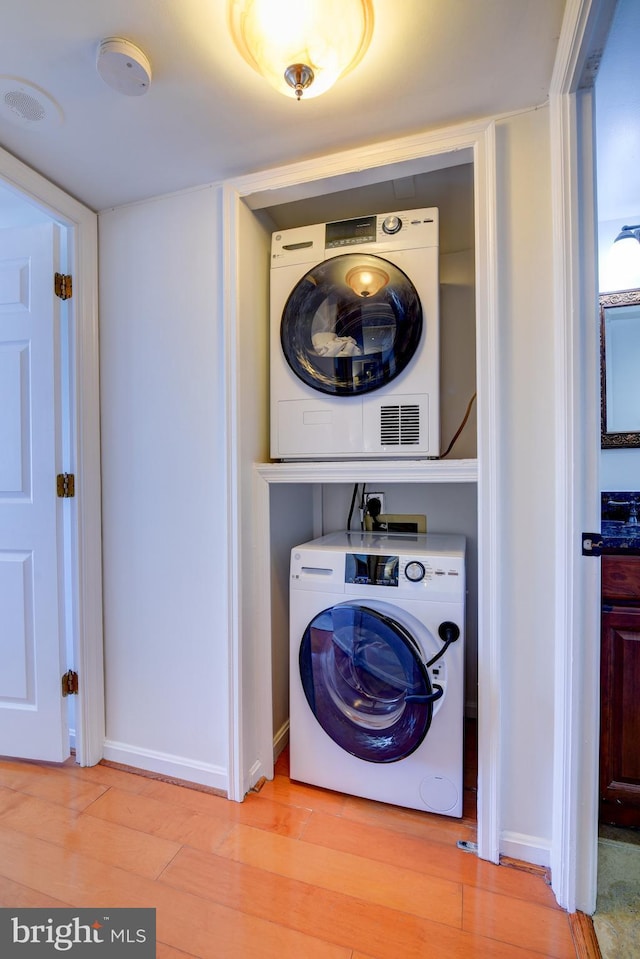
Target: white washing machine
[377,667]
[355,338]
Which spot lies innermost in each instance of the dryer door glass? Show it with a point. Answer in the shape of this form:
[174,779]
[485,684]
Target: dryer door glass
[351,325]
[365,682]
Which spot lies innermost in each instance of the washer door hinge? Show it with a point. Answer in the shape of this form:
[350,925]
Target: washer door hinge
[62,285]
[65,485]
[70,683]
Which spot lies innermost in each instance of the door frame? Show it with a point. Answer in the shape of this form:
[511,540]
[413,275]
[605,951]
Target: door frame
[86,524]
[577,613]
[247,531]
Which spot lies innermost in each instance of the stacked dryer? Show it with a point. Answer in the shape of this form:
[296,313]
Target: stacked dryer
[355,338]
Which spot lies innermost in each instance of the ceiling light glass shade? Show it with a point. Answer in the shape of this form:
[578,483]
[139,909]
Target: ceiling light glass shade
[328,37]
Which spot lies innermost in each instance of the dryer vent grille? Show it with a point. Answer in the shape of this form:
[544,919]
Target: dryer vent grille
[400,425]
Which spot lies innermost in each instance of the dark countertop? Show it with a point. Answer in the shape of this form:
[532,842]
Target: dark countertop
[620,522]
[620,537]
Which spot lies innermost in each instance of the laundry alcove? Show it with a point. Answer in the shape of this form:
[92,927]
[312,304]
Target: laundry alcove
[281,504]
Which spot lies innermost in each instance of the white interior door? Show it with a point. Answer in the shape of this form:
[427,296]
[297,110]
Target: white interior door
[33,715]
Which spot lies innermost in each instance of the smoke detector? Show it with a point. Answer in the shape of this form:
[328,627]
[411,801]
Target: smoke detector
[123,66]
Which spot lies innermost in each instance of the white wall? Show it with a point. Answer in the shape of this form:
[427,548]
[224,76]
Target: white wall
[620,470]
[295,503]
[250,445]
[526,417]
[164,508]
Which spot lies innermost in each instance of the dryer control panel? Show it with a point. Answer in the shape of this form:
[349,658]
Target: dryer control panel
[406,228]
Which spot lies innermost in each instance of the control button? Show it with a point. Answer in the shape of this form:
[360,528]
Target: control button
[414,571]
[392,224]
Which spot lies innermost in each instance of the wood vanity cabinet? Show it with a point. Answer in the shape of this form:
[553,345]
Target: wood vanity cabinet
[620,691]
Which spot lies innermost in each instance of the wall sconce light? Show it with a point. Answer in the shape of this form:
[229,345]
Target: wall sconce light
[629,233]
[301,46]
[624,259]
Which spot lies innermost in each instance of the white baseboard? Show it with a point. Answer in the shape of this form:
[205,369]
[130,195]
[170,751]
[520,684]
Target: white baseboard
[280,740]
[165,764]
[531,849]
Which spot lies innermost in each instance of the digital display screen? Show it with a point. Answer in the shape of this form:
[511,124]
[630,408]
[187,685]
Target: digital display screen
[368,570]
[349,232]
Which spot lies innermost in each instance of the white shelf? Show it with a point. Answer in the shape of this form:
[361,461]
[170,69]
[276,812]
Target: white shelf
[366,471]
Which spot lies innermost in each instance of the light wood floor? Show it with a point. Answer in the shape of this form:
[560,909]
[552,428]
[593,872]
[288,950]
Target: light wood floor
[294,872]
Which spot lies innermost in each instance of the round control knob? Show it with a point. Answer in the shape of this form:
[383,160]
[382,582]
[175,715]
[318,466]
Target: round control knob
[392,224]
[414,571]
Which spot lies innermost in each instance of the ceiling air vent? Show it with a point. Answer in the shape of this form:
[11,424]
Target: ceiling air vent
[400,425]
[26,105]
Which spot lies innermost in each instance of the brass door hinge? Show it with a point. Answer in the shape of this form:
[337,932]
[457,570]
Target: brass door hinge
[70,683]
[62,285]
[66,485]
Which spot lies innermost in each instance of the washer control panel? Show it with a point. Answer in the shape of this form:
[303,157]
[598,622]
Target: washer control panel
[414,571]
[432,574]
[429,568]
[397,573]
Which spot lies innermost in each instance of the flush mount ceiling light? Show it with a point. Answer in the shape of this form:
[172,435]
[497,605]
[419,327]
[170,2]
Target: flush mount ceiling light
[301,46]
[123,66]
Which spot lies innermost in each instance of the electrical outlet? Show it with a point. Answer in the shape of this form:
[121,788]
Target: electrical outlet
[378,496]
[397,522]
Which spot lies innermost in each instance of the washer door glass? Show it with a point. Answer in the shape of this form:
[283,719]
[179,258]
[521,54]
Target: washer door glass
[365,682]
[351,325]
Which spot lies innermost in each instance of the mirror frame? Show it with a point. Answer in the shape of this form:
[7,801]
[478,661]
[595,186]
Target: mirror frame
[613,440]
